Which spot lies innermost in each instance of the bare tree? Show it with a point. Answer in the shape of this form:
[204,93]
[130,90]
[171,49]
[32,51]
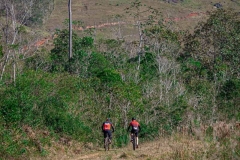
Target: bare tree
[15,13]
[144,16]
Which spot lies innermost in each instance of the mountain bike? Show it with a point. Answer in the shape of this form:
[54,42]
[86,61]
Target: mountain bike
[134,141]
[107,143]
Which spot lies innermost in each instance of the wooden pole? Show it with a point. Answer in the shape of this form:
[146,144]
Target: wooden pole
[70,28]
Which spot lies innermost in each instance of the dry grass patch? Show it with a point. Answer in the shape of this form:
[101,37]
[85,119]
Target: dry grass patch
[176,146]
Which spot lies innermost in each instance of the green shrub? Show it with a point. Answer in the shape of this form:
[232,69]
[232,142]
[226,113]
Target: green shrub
[29,103]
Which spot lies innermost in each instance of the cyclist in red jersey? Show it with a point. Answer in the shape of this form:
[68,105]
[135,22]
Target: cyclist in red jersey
[135,128]
[107,126]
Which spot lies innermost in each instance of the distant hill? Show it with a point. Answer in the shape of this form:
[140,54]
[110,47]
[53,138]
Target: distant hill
[96,12]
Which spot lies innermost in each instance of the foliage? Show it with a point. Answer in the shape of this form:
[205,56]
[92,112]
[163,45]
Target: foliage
[109,76]
[41,10]
[39,61]
[148,66]
[210,61]
[30,12]
[213,48]
[98,63]
[59,54]
[228,98]
[71,97]
[36,101]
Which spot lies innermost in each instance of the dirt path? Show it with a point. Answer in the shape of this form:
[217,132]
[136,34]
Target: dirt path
[165,148]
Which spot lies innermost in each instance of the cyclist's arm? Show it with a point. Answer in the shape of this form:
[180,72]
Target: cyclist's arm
[139,128]
[102,127]
[128,128]
[113,129]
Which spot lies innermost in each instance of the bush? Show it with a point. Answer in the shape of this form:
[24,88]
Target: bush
[29,103]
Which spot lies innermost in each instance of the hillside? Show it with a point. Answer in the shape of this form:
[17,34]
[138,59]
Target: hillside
[148,59]
[96,12]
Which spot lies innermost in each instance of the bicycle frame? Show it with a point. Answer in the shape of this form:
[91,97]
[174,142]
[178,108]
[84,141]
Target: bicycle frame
[106,143]
[134,142]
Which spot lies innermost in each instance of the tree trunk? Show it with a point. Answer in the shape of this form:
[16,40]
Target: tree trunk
[70,29]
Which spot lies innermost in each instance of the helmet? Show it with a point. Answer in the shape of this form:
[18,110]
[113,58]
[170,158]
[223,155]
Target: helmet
[108,119]
[133,118]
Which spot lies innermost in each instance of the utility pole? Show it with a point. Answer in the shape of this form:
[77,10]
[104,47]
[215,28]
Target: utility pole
[70,28]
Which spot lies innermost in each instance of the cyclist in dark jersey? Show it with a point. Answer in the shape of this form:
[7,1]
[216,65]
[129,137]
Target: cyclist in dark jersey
[107,129]
[135,128]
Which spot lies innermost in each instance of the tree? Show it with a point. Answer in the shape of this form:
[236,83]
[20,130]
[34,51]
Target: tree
[211,58]
[16,15]
[143,16]
[81,52]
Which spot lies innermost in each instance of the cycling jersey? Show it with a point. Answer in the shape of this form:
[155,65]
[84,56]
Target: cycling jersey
[135,125]
[107,126]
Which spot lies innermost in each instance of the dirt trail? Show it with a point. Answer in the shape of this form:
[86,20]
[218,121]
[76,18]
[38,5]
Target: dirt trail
[179,145]
[164,148]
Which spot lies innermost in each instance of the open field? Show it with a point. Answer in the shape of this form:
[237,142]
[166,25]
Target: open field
[95,12]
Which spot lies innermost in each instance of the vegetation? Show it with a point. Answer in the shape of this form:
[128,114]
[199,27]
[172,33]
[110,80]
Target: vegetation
[211,64]
[166,79]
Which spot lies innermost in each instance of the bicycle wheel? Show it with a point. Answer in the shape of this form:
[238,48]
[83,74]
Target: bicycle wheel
[106,143]
[134,142]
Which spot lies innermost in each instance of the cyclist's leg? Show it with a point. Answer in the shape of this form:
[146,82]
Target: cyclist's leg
[136,134]
[104,135]
[110,135]
[131,135]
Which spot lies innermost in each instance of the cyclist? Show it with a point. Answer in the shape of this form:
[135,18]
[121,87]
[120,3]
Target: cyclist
[135,129]
[106,129]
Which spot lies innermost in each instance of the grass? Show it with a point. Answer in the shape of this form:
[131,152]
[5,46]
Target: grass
[175,147]
[102,11]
